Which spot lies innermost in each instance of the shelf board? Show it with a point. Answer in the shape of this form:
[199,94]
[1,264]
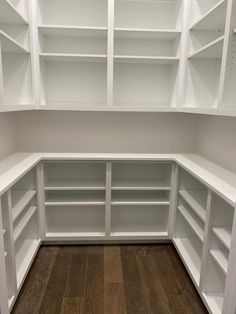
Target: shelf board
[215,302]
[196,205]
[140,185]
[223,234]
[139,199]
[145,59]
[74,200]
[23,223]
[72,31]
[73,57]
[146,34]
[75,186]
[73,235]
[190,258]
[220,259]
[30,247]
[21,200]
[123,234]
[9,14]
[9,44]
[214,19]
[192,223]
[211,50]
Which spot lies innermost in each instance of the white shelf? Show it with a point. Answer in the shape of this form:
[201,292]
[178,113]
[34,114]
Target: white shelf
[190,258]
[73,57]
[139,199]
[9,14]
[5,254]
[192,223]
[140,185]
[23,223]
[72,31]
[21,200]
[235,31]
[215,302]
[75,186]
[196,205]
[139,234]
[220,259]
[223,234]
[212,50]
[66,235]
[146,34]
[145,59]
[4,232]
[28,251]
[74,200]
[214,19]
[8,44]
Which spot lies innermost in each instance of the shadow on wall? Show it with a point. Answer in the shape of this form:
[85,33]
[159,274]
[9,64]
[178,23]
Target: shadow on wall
[105,132]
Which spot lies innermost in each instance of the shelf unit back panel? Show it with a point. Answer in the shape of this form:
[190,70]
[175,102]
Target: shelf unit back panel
[148,14]
[74,82]
[145,84]
[73,12]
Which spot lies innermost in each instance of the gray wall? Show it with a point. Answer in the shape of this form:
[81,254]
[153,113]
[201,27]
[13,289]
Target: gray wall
[105,132]
[7,134]
[216,140]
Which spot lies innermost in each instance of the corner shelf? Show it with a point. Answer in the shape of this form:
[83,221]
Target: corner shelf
[223,234]
[212,19]
[8,44]
[23,223]
[22,200]
[212,50]
[190,258]
[220,259]
[9,14]
[196,206]
[73,57]
[147,34]
[192,223]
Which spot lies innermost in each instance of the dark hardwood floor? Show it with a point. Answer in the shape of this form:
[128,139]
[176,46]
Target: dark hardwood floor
[116,279]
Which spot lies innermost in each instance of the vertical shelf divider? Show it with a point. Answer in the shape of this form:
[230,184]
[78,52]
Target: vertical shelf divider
[108,199]
[3,282]
[173,200]
[41,200]
[1,81]
[110,52]
[207,232]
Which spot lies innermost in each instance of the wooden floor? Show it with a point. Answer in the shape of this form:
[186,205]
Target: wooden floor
[108,279]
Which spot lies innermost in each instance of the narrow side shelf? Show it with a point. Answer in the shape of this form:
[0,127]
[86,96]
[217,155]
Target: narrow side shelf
[194,204]
[22,200]
[220,259]
[23,223]
[9,44]
[193,224]
[9,14]
[223,234]
[214,19]
[212,50]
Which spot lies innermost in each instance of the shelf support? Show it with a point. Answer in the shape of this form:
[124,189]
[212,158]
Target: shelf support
[173,199]
[41,200]
[108,199]
[110,52]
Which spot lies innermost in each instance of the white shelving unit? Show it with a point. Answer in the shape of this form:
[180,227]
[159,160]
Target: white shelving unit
[15,67]
[206,44]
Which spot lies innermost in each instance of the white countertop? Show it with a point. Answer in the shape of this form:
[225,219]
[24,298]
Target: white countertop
[215,177]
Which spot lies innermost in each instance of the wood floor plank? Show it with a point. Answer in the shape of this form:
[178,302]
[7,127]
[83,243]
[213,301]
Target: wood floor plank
[34,288]
[114,298]
[112,264]
[155,297]
[76,281]
[72,306]
[54,293]
[94,297]
[135,298]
